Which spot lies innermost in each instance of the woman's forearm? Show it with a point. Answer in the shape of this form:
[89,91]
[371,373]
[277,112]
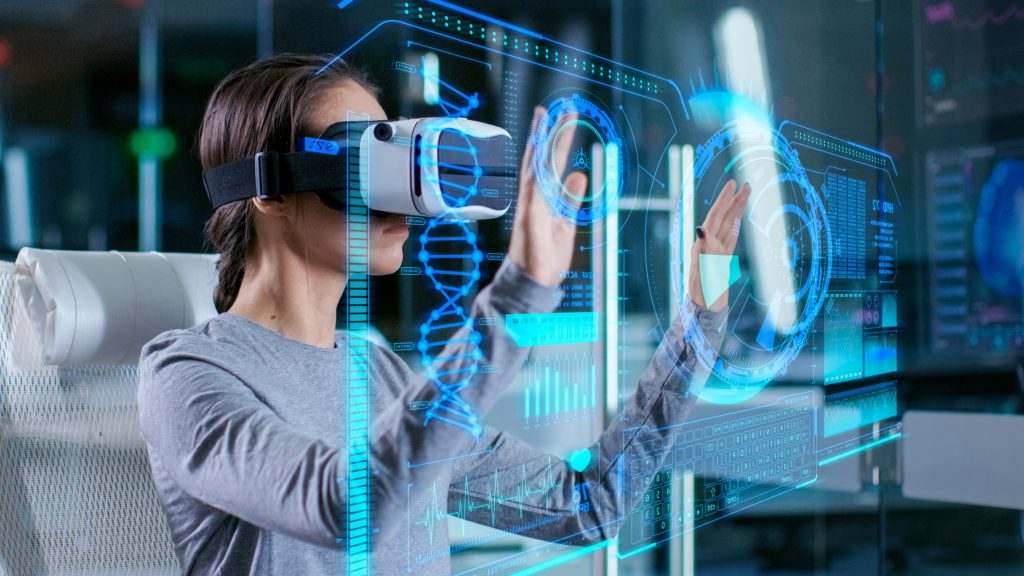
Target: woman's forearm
[548,506]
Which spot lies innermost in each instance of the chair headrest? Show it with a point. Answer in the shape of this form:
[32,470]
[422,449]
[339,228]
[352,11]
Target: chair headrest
[102,307]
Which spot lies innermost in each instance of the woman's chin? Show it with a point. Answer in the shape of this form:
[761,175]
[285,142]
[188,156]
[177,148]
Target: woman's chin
[384,264]
[386,249]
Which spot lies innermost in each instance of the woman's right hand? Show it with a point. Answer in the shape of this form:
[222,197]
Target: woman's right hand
[542,241]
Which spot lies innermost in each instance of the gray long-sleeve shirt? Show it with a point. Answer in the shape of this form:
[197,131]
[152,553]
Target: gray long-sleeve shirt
[246,436]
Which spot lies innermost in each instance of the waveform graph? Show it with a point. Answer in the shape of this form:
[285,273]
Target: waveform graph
[985,17]
[479,499]
[559,389]
[859,407]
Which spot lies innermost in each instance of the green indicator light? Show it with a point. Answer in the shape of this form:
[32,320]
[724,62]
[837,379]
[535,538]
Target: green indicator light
[156,143]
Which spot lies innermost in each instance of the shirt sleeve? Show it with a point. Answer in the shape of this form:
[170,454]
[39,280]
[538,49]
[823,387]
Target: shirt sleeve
[225,447]
[549,510]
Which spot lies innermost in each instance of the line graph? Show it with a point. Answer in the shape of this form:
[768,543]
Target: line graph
[1008,76]
[472,500]
[946,12]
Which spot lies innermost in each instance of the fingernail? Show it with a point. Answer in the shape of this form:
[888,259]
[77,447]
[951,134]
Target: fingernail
[700,233]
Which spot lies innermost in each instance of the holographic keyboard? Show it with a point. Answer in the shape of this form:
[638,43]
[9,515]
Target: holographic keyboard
[738,459]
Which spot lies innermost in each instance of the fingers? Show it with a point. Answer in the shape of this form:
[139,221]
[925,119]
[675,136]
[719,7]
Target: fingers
[735,214]
[738,204]
[563,146]
[721,233]
[723,219]
[576,183]
[527,177]
[526,168]
[716,209]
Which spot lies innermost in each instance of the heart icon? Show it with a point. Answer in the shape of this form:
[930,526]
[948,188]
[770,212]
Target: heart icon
[580,459]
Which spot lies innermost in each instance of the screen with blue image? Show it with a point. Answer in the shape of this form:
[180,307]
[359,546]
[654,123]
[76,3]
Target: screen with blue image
[975,210]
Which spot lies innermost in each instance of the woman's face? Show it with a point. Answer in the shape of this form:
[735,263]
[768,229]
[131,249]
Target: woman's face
[327,229]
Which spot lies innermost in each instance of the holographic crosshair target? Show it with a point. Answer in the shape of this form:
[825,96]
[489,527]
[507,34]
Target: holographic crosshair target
[571,129]
[777,279]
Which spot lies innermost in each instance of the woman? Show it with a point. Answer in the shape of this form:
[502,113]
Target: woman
[243,415]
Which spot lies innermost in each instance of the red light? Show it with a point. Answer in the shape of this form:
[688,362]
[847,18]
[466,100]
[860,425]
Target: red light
[5,53]
[132,4]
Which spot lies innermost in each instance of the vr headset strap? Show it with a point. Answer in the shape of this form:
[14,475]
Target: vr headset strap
[271,175]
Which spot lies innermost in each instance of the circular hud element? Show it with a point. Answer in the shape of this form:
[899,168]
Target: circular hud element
[578,135]
[779,275]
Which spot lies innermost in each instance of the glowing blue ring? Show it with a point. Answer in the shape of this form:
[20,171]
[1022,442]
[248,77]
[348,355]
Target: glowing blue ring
[548,176]
[553,161]
[744,382]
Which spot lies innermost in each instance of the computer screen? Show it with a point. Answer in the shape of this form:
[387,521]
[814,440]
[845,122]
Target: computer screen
[971,95]
[970,60]
[975,209]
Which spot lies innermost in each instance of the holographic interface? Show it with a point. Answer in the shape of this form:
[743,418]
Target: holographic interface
[805,372]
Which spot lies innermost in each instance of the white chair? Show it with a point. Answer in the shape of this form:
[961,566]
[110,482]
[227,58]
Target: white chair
[76,495]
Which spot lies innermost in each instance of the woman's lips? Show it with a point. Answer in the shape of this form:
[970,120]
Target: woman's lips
[390,224]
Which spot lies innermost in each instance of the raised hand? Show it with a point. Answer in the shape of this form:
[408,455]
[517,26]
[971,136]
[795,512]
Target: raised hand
[542,242]
[718,235]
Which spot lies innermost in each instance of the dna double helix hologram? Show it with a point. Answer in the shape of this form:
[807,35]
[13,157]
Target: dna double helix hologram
[447,249]
[451,261]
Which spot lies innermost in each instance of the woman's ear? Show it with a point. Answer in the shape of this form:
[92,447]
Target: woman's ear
[280,207]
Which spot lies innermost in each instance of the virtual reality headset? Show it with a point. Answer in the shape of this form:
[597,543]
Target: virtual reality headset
[431,167]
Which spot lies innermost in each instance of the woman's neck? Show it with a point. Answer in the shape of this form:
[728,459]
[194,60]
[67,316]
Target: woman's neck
[282,293]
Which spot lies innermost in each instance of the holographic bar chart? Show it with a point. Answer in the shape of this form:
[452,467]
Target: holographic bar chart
[559,389]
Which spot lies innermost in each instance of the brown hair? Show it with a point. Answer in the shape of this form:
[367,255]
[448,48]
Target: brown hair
[263,106]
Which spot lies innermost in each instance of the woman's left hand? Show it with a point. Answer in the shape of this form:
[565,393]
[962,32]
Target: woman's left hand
[718,236]
[543,242]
